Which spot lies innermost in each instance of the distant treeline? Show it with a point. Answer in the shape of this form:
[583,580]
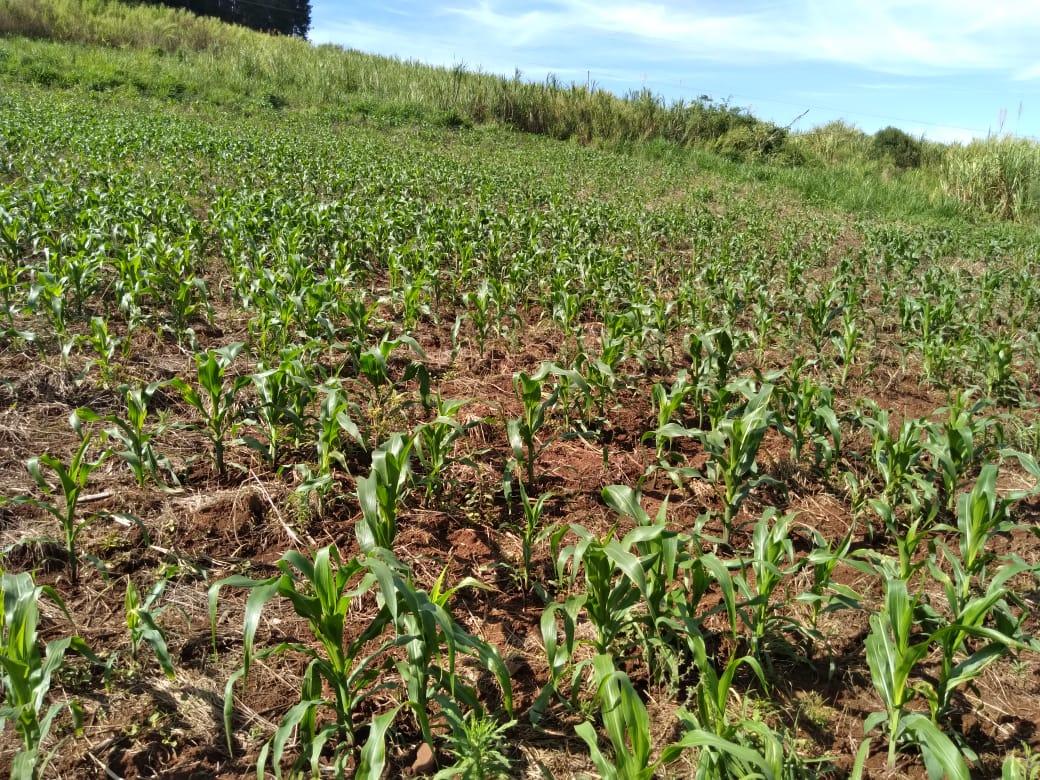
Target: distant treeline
[287,17]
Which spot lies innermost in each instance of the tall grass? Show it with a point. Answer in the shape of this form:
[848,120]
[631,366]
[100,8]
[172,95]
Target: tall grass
[207,59]
[999,176]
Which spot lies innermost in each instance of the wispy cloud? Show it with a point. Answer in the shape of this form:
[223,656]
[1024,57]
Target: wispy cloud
[1028,73]
[891,36]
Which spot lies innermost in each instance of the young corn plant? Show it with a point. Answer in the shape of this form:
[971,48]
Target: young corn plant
[772,560]
[678,573]
[523,431]
[826,595]
[133,433]
[343,674]
[480,309]
[892,656]
[847,345]
[435,443]
[732,747]
[321,591]
[627,725]
[26,672]
[73,476]
[430,635]
[49,294]
[106,347]
[613,585]
[333,423]
[668,404]
[11,292]
[820,314]
[733,449]
[982,514]
[805,412]
[283,394]
[533,531]
[381,492]
[215,398]
[141,615]
[373,363]
[955,445]
[996,358]
[897,458]
[966,645]
[907,532]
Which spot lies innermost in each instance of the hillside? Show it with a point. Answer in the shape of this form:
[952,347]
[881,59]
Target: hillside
[348,429]
[171,54]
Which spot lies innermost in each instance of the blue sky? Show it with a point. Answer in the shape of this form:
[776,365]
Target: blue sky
[948,69]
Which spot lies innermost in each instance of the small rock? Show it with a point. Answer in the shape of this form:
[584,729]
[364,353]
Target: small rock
[425,761]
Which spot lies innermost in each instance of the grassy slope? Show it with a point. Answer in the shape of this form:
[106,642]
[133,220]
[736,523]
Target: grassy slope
[101,45]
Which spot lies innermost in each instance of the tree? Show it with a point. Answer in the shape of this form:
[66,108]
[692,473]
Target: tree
[284,17]
[901,148]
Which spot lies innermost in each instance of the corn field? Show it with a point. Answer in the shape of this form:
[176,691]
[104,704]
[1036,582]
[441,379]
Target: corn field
[359,450]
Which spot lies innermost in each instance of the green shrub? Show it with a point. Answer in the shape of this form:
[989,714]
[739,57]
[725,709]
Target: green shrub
[836,142]
[751,142]
[900,148]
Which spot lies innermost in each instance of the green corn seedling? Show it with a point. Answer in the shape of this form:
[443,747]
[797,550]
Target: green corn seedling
[962,661]
[955,444]
[435,443]
[805,412]
[132,432]
[381,492]
[772,560]
[333,421]
[733,448]
[730,748]
[627,725]
[373,363]
[668,405]
[105,347]
[523,431]
[141,615]
[73,476]
[981,514]
[676,580]
[429,634]
[532,531]
[847,345]
[893,656]
[321,592]
[613,584]
[825,594]
[26,673]
[897,458]
[283,394]
[218,400]
[353,671]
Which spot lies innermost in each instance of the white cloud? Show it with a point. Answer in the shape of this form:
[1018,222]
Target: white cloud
[895,36]
[943,134]
[1028,73]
